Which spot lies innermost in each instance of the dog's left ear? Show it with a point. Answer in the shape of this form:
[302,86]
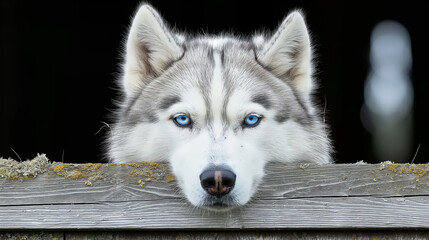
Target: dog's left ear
[288,53]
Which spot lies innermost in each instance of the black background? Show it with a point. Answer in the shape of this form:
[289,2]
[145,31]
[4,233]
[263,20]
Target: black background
[59,60]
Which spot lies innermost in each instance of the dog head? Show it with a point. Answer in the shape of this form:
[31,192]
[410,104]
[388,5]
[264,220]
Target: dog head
[217,108]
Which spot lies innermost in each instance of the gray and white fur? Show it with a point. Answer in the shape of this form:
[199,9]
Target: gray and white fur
[217,82]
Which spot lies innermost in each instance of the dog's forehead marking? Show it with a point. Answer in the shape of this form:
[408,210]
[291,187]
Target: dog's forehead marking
[217,97]
[217,43]
[223,66]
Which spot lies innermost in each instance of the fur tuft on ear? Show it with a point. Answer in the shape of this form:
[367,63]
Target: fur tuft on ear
[150,49]
[288,53]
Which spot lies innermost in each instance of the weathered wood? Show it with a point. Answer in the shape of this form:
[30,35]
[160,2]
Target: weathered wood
[314,213]
[253,235]
[220,235]
[292,196]
[32,235]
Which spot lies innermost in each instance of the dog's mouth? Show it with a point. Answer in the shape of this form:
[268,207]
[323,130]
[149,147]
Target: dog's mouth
[218,207]
[219,204]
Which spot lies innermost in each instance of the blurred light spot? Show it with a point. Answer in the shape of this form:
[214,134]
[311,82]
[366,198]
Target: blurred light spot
[387,112]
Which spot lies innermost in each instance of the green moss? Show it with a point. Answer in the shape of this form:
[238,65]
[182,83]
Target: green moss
[89,166]
[170,178]
[419,170]
[151,171]
[12,169]
[91,172]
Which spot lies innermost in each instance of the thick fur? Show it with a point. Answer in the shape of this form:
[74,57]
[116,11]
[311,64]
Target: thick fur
[217,81]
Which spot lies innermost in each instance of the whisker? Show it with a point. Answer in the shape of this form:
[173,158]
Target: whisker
[20,160]
[101,128]
[415,155]
[324,115]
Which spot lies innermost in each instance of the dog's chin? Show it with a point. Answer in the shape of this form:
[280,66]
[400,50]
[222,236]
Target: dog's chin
[223,204]
[219,207]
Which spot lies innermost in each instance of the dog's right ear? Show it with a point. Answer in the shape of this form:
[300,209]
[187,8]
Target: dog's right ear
[150,49]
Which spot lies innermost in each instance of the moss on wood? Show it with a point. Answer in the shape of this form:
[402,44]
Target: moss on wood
[91,172]
[11,169]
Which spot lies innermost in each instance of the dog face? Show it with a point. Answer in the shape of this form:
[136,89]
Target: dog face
[217,108]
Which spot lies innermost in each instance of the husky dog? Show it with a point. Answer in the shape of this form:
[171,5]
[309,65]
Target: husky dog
[217,108]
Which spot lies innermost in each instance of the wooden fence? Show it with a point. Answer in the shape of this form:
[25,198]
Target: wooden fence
[141,201]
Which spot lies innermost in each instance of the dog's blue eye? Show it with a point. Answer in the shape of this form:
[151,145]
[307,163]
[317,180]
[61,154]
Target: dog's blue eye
[252,120]
[182,120]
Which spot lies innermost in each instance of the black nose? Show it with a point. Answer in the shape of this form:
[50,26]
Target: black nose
[217,182]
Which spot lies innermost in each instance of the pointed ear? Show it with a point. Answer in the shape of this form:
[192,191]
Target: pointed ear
[150,49]
[288,53]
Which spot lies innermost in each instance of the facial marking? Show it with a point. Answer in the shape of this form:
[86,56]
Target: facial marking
[263,100]
[217,96]
[167,102]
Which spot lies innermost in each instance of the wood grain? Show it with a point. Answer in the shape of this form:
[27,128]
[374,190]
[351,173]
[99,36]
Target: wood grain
[292,197]
[220,235]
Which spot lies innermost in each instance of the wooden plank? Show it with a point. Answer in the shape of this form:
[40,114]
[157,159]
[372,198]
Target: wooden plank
[32,235]
[292,196]
[311,213]
[281,181]
[250,235]
[219,235]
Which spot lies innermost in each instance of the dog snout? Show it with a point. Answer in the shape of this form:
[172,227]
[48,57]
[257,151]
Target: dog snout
[217,182]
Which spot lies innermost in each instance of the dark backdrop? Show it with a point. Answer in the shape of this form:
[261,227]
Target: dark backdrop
[59,60]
